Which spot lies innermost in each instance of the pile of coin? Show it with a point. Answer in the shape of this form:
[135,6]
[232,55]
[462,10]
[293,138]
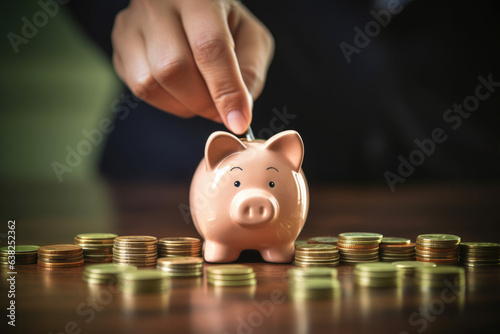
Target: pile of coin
[313,283]
[378,275]
[440,276]
[480,254]
[231,275]
[23,254]
[182,266]
[97,247]
[137,250]
[437,248]
[359,247]
[323,240]
[408,267]
[396,249]
[105,273]
[60,256]
[300,242]
[179,246]
[146,280]
[316,255]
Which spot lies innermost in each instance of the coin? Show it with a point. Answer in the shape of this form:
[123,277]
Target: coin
[20,249]
[145,280]
[242,282]
[394,241]
[437,277]
[479,254]
[231,275]
[437,248]
[377,275]
[60,265]
[179,246]
[60,249]
[230,269]
[96,236]
[430,238]
[304,273]
[308,255]
[361,236]
[181,266]
[323,240]
[136,239]
[138,250]
[315,288]
[412,265]
[300,242]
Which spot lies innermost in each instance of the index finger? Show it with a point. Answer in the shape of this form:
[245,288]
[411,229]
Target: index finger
[206,27]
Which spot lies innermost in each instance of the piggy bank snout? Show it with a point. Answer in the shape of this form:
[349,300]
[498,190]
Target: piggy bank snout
[254,208]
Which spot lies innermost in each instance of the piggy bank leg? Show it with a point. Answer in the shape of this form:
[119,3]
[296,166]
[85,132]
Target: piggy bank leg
[217,253]
[280,254]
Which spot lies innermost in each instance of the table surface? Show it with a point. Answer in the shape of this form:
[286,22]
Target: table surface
[58,301]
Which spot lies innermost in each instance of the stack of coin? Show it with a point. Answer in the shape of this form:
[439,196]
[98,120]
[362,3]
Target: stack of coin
[437,248]
[231,275]
[323,240]
[440,277]
[97,247]
[60,256]
[23,254]
[105,273]
[396,249]
[480,254]
[316,255]
[137,250]
[300,242]
[378,275]
[359,247]
[179,246]
[408,267]
[182,266]
[146,280]
[313,283]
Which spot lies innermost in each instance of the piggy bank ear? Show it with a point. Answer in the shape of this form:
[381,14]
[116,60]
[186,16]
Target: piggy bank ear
[289,145]
[219,146]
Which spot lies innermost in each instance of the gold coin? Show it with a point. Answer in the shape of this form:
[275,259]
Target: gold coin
[60,249]
[180,240]
[66,260]
[316,247]
[481,245]
[312,272]
[179,260]
[251,281]
[60,265]
[395,241]
[229,269]
[367,236]
[323,240]
[18,249]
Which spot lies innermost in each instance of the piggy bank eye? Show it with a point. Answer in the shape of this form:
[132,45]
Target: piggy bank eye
[237,184]
[271,184]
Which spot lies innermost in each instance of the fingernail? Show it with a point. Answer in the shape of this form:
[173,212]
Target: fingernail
[237,122]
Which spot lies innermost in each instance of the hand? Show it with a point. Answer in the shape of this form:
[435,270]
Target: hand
[193,57]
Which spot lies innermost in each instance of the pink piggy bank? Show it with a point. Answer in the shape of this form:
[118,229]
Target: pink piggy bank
[250,195]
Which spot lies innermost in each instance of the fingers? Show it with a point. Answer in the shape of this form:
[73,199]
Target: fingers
[172,64]
[254,50]
[212,45]
[132,66]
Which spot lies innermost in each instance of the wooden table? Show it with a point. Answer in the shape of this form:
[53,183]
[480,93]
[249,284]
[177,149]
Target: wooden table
[58,301]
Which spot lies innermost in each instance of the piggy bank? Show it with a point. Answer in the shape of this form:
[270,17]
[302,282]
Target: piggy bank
[250,194]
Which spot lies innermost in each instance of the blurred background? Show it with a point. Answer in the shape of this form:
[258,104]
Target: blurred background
[357,114]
